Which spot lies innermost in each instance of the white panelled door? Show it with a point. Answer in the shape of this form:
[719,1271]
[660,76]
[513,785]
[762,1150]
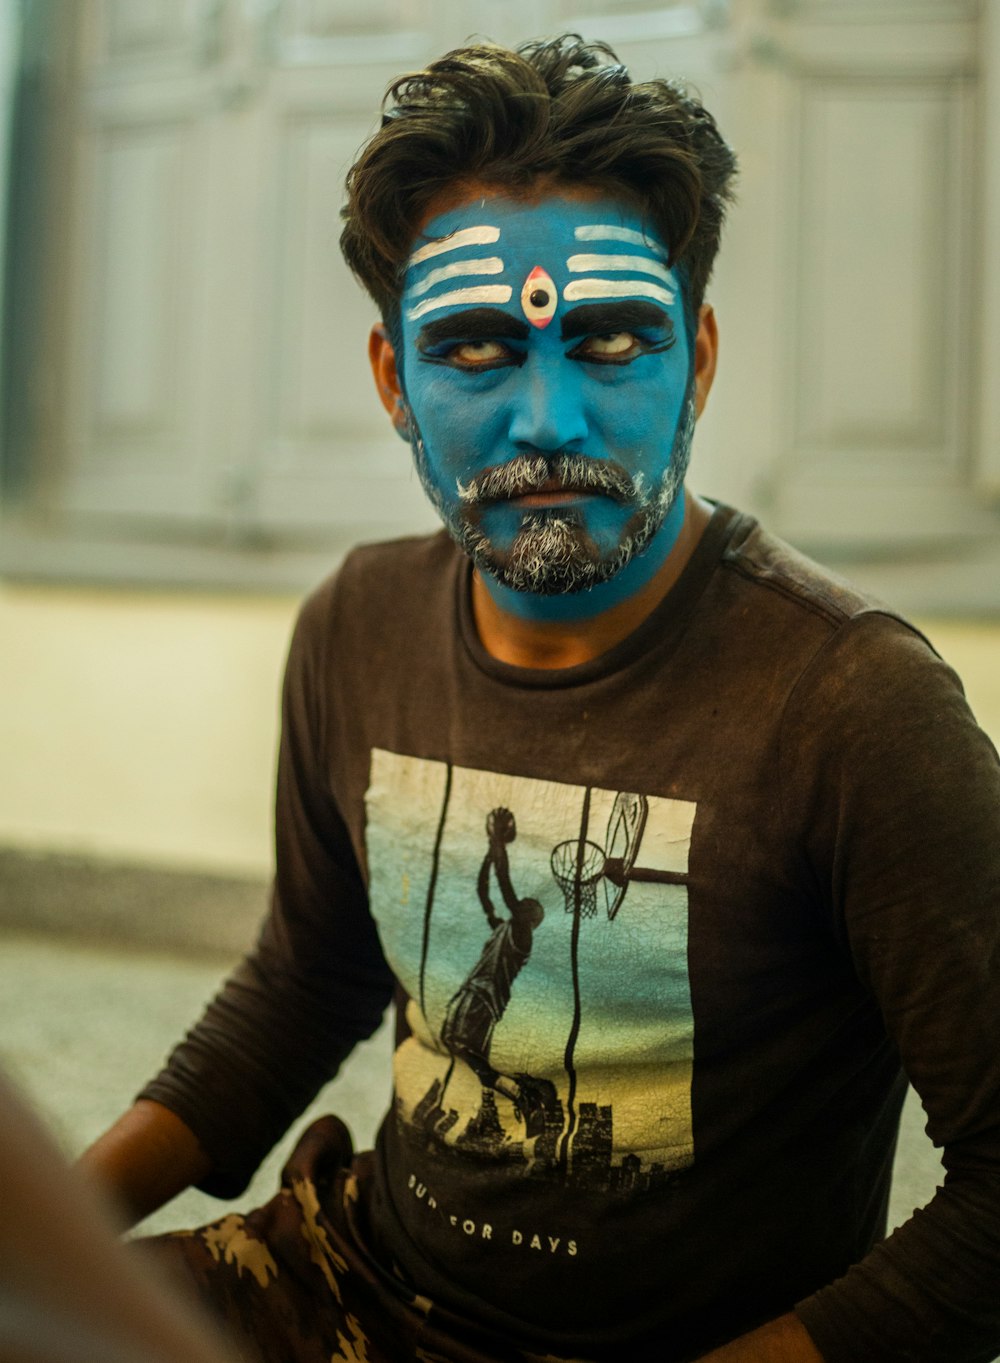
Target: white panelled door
[216,342]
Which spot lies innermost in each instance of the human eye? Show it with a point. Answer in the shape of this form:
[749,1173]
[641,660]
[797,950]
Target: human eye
[474,356]
[474,341]
[619,347]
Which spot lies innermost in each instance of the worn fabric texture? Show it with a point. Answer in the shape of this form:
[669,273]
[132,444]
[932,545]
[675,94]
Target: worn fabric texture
[666,932]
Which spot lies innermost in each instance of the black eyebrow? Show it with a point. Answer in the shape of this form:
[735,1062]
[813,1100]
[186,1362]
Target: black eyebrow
[605,319]
[477,324]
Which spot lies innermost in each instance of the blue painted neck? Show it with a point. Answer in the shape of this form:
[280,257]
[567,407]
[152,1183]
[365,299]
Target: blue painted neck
[588,604]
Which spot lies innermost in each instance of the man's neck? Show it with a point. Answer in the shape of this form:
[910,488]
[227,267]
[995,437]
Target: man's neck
[525,642]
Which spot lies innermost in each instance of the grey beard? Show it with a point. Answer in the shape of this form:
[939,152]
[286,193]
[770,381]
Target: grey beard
[552,554]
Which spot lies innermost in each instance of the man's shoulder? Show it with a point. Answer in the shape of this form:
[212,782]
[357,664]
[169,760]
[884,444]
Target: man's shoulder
[383,569]
[376,584]
[764,561]
[836,644]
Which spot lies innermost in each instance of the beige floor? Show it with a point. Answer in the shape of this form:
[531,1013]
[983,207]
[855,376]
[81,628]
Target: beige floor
[82,1029]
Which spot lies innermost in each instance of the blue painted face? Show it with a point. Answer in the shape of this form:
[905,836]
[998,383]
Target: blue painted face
[548,374]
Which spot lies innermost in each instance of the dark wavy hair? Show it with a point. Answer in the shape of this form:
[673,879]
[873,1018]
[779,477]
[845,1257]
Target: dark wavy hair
[551,113]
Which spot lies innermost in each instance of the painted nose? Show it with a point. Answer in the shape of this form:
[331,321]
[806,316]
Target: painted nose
[548,412]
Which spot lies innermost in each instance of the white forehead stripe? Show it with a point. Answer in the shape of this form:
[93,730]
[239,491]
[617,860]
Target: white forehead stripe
[595,263]
[482,293]
[485,265]
[577,289]
[468,236]
[607,232]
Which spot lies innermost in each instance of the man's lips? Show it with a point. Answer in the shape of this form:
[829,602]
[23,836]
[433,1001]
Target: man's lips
[551,493]
[534,481]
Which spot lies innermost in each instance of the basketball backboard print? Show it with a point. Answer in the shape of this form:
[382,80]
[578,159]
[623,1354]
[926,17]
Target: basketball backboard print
[621,844]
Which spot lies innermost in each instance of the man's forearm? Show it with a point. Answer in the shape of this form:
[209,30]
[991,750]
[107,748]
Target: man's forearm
[784,1340]
[145,1159]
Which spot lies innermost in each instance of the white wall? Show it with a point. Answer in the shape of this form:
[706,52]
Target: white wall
[140,726]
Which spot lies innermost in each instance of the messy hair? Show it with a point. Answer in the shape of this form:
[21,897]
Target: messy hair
[552,113]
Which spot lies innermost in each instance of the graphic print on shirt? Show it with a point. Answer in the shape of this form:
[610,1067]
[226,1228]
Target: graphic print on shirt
[540,932]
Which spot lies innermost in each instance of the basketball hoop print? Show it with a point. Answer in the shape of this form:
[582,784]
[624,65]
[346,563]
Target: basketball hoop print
[578,867]
[582,868]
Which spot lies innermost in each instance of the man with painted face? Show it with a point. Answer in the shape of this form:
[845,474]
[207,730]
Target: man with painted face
[563,476]
[757,828]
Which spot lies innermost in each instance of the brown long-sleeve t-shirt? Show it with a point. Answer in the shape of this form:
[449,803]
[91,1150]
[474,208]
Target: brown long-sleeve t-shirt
[763,834]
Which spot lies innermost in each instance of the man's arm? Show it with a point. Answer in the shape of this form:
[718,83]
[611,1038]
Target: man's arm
[145,1159]
[315,984]
[899,794]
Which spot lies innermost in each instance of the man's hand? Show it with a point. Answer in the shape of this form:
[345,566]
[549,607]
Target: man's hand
[145,1159]
[784,1340]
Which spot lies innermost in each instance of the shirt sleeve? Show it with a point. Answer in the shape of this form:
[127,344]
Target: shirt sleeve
[898,791]
[315,984]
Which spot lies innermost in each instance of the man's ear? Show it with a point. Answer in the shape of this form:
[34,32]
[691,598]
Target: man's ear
[706,353]
[383,362]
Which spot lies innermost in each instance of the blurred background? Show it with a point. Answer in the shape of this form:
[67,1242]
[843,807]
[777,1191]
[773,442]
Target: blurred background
[189,438]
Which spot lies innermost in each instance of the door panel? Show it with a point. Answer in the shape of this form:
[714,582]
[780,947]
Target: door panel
[135,418]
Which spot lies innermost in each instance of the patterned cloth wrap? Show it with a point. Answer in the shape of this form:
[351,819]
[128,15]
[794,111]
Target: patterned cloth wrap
[296,1281]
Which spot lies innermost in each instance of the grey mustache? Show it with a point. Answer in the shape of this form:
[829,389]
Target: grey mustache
[530,473]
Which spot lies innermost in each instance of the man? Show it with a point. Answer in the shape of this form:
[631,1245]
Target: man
[758,821]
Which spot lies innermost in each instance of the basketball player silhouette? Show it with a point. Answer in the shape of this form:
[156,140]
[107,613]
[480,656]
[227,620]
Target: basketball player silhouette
[479,1003]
